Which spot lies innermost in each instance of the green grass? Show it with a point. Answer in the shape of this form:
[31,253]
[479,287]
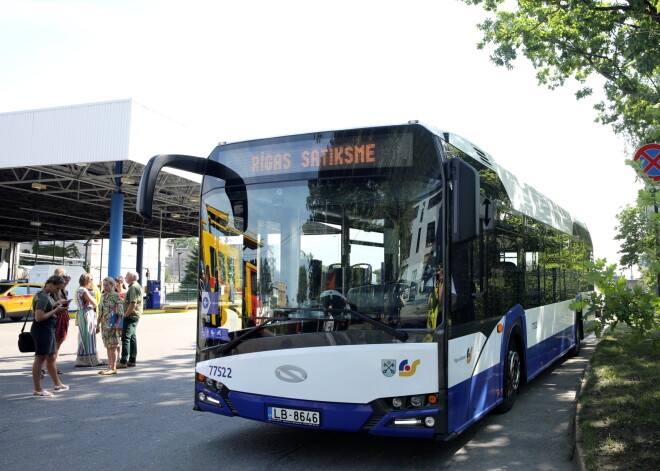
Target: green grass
[620,404]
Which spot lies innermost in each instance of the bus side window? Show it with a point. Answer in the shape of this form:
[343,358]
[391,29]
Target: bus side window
[463,282]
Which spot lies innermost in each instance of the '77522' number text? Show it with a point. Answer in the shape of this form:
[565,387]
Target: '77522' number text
[220,371]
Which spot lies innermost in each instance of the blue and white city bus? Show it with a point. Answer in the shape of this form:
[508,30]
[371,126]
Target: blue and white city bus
[391,280]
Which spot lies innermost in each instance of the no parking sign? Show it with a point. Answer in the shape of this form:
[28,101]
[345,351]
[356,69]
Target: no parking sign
[649,158]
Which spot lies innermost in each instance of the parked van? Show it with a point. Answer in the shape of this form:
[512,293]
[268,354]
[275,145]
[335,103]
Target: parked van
[40,273]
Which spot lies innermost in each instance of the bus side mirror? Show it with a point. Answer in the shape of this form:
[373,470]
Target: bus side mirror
[465,200]
[235,186]
[147,188]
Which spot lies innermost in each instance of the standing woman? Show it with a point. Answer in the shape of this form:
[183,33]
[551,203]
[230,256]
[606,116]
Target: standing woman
[62,324]
[121,286]
[43,332]
[62,327]
[87,354]
[111,313]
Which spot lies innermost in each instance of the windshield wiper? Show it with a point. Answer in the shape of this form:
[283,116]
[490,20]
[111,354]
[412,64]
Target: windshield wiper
[232,343]
[397,334]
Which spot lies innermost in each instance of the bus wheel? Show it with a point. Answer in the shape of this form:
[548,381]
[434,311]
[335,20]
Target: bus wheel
[575,351]
[512,374]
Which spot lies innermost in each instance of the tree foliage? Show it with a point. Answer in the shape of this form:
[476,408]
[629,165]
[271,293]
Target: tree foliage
[185,242]
[617,303]
[639,231]
[55,250]
[191,276]
[617,40]
[634,235]
[637,307]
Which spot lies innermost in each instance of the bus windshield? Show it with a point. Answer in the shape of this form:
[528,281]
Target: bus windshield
[316,251]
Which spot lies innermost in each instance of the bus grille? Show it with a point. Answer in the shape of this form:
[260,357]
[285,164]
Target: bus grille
[231,406]
[371,423]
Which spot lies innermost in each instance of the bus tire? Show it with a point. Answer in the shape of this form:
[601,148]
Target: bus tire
[512,376]
[575,351]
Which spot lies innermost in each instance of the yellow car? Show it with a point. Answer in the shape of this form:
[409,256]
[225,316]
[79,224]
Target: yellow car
[16,299]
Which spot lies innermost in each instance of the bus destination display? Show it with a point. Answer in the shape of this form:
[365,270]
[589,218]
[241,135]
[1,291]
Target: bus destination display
[273,157]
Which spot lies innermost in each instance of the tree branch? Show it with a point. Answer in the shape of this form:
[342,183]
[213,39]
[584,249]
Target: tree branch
[615,8]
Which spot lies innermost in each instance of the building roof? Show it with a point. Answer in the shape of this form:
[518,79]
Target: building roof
[58,172]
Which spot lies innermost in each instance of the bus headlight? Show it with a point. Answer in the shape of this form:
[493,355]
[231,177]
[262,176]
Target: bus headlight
[208,382]
[213,400]
[429,421]
[417,401]
[201,396]
[397,402]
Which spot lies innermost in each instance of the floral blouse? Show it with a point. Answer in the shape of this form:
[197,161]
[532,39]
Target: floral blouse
[110,303]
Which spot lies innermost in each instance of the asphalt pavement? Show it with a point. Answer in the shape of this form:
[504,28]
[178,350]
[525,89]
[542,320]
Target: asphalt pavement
[142,418]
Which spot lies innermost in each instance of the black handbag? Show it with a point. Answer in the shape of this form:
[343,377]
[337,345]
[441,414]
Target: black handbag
[25,340]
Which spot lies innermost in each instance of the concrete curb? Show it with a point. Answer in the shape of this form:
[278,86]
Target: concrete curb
[169,310]
[578,452]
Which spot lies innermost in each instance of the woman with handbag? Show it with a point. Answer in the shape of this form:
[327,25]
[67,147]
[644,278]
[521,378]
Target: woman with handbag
[86,320]
[43,332]
[62,325]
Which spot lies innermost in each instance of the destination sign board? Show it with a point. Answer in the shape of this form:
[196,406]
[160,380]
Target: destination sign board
[318,152]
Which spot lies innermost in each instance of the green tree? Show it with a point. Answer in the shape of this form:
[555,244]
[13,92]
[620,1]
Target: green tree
[55,250]
[185,242]
[191,275]
[639,231]
[637,308]
[616,39]
[633,232]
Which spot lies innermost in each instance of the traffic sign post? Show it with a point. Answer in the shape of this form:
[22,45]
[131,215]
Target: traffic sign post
[648,157]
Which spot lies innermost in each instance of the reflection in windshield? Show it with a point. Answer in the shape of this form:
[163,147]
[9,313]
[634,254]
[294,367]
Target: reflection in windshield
[316,250]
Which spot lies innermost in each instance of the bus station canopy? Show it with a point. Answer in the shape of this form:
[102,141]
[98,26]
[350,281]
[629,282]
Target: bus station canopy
[69,202]
[58,171]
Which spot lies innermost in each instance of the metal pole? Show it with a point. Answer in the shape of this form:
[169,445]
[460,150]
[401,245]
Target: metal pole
[656,230]
[101,264]
[140,254]
[36,255]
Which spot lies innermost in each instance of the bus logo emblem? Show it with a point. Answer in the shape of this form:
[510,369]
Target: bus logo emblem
[408,370]
[388,367]
[291,374]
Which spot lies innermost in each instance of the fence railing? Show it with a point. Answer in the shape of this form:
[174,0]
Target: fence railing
[180,293]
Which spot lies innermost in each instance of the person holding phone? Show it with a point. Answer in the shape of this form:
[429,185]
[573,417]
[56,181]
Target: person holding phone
[62,322]
[43,332]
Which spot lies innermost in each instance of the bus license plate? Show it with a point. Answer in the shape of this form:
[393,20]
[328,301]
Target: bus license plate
[294,416]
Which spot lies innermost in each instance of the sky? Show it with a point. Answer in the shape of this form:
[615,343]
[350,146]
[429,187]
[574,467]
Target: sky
[231,70]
